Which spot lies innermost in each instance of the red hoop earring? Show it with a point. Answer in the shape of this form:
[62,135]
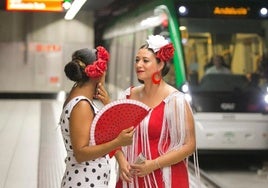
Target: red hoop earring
[155,81]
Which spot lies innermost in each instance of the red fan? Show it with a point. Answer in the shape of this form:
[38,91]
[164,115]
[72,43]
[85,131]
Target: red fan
[115,117]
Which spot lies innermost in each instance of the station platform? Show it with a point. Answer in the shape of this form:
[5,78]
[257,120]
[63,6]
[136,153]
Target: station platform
[32,149]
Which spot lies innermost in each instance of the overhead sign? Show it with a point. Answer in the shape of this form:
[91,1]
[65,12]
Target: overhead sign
[231,11]
[35,5]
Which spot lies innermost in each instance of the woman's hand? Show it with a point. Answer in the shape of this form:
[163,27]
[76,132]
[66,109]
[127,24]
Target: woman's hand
[125,170]
[126,136]
[102,94]
[143,169]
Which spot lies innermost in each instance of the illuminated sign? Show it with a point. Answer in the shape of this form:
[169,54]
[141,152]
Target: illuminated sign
[35,5]
[230,11]
[47,48]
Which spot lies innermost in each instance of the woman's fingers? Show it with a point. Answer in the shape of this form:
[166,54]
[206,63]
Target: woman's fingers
[126,177]
[102,94]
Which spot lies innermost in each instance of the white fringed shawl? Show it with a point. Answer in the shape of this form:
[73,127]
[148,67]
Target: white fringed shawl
[174,127]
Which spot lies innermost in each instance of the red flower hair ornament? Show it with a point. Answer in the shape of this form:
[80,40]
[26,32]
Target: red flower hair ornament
[99,66]
[161,47]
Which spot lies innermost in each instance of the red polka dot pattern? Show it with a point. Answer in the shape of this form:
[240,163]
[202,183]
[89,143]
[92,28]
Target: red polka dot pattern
[115,117]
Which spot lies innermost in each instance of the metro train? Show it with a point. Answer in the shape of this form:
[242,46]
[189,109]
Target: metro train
[230,110]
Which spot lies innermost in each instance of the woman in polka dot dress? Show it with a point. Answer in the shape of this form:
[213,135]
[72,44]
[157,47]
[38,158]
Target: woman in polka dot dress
[87,165]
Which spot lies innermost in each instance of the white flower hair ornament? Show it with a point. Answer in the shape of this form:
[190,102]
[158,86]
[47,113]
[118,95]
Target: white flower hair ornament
[161,47]
[155,42]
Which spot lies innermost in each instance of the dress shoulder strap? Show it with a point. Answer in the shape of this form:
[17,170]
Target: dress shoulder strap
[75,100]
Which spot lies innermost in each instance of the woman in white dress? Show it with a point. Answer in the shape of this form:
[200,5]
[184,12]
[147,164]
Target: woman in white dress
[87,165]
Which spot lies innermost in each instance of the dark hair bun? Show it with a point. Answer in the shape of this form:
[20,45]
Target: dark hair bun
[73,71]
[85,55]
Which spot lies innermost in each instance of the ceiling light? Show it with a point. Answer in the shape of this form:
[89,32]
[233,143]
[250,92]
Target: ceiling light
[76,6]
[183,10]
[67,4]
[264,12]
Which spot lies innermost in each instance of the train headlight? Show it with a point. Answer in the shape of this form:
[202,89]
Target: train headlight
[186,91]
[266,98]
[185,88]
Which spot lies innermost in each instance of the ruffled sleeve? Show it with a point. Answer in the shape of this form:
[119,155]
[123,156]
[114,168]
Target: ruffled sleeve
[126,93]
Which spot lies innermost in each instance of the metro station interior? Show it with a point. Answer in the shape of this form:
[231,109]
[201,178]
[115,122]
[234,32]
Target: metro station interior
[37,40]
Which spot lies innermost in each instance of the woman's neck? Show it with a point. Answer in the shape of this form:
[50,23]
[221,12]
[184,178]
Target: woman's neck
[86,89]
[151,89]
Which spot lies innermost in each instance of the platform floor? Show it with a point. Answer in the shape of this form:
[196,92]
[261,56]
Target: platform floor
[32,149]
[32,152]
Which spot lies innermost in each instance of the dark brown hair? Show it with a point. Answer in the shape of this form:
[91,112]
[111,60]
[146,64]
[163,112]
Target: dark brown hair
[75,69]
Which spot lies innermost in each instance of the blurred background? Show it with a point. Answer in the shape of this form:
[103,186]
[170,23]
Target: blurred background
[37,38]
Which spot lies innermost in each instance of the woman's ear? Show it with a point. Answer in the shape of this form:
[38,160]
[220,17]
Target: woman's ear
[161,65]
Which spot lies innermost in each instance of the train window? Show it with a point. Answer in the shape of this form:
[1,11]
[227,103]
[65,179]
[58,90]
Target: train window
[240,48]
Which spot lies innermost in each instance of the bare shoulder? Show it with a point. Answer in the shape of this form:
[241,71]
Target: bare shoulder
[83,110]
[135,92]
[171,89]
[82,105]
